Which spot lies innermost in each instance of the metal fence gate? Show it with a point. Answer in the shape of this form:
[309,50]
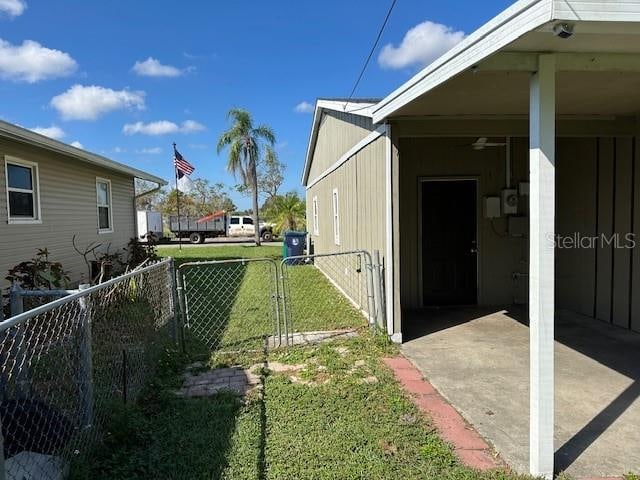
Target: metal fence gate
[237,305]
[231,305]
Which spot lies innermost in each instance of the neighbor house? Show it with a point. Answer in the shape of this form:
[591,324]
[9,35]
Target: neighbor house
[51,191]
[504,174]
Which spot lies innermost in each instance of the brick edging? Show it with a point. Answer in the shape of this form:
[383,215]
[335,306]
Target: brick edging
[469,446]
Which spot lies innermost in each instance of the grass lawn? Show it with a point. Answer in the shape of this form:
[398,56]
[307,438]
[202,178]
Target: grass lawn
[331,411]
[199,253]
[343,417]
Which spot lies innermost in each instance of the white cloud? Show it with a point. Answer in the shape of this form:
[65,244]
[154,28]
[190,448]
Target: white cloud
[153,68]
[77,144]
[420,46]
[31,62]
[304,107]
[162,127]
[90,102]
[53,131]
[150,151]
[13,8]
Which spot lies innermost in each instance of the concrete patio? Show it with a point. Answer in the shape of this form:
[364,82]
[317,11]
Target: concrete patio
[478,359]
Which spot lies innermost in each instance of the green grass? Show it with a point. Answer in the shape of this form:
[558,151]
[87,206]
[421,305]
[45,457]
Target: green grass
[334,427]
[198,253]
[340,415]
[232,306]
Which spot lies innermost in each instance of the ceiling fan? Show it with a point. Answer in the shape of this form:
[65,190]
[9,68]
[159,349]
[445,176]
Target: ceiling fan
[482,143]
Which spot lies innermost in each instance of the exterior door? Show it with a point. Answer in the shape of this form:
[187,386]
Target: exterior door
[449,243]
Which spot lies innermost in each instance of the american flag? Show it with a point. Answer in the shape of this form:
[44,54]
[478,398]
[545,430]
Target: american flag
[182,166]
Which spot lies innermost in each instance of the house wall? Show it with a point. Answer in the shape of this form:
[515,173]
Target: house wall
[68,208]
[360,183]
[595,194]
[337,133]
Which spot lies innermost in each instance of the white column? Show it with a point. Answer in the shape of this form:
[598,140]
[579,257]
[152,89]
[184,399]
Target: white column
[541,265]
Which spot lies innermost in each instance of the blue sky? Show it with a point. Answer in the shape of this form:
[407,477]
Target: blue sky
[70,67]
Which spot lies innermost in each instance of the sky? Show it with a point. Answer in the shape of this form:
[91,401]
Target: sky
[127,79]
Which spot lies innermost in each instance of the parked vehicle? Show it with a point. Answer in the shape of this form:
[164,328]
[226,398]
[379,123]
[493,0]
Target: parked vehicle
[149,223]
[217,224]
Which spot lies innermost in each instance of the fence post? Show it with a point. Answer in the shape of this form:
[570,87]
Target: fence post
[86,360]
[16,299]
[182,308]
[173,287]
[370,288]
[377,289]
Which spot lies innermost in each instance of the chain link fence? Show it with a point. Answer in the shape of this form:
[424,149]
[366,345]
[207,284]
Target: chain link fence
[231,305]
[330,291]
[66,364]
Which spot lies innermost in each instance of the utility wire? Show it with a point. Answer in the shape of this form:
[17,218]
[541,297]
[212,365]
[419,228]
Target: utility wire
[373,49]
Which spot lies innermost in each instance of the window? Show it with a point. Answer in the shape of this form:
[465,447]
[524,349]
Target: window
[23,202]
[234,221]
[105,218]
[336,217]
[247,221]
[316,226]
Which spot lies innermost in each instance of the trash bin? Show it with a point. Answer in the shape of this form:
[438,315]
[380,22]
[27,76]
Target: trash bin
[293,244]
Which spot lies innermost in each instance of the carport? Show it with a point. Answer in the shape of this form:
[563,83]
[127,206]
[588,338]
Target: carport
[505,155]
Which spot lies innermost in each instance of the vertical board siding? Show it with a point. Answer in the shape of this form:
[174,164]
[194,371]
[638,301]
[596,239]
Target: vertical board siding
[576,213]
[68,207]
[605,229]
[361,184]
[622,226]
[337,133]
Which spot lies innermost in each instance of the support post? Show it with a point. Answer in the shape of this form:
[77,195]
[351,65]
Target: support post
[541,266]
[86,360]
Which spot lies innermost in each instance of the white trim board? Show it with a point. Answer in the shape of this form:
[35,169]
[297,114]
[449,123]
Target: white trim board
[378,132]
[389,300]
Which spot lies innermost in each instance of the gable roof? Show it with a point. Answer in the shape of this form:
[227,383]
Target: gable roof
[525,17]
[14,132]
[356,106]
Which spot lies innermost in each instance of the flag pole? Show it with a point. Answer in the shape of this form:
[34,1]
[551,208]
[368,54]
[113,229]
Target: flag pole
[175,168]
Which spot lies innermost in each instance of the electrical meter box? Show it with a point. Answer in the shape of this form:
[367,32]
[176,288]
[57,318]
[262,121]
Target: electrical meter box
[491,207]
[509,201]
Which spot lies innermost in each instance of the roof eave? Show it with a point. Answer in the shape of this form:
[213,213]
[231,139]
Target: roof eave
[335,105]
[8,130]
[520,18]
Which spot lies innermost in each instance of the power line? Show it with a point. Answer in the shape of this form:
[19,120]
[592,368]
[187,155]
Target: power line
[373,49]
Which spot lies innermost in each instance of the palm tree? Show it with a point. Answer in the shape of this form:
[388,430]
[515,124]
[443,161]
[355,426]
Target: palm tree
[287,212]
[246,143]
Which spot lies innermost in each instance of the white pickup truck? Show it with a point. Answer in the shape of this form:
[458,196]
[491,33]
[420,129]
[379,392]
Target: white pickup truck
[217,225]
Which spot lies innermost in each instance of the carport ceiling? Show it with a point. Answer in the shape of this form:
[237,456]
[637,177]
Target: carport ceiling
[507,93]
[598,74]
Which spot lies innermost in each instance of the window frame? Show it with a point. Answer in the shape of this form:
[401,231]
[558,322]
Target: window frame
[316,218]
[35,190]
[335,203]
[110,206]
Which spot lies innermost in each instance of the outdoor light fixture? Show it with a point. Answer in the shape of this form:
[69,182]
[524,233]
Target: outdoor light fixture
[563,30]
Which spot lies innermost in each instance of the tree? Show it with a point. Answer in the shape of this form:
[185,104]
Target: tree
[209,197]
[270,176]
[150,201]
[245,143]
[287,212]
[170,204]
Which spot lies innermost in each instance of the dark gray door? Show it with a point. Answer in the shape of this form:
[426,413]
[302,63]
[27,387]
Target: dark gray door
[449,244]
